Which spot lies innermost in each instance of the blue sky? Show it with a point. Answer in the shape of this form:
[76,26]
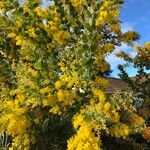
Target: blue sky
[135,15]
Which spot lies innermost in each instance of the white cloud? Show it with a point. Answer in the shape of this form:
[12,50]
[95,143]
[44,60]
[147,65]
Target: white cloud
[122,47]
[133,53]
[46,3]
[127,26]
[114,60]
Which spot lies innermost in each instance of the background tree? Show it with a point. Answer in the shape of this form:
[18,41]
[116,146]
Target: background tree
[50,62]
[140,84]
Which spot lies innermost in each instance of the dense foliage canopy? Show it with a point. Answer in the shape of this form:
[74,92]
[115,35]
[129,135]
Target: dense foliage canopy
[140,84]
[52,91]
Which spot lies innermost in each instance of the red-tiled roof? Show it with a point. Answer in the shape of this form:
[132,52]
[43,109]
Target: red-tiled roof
[116,84]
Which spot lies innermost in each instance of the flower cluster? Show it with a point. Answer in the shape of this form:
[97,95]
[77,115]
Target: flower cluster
[77,3]
[52,68]
[108,12]
[85,138]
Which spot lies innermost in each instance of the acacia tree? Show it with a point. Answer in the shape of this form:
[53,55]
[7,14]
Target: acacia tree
[52,94]
[140,84]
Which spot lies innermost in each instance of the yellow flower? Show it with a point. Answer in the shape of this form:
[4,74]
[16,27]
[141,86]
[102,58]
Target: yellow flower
[18,23]
[2,5]
[107,13]
[147,46]
[115,28]
[43,13]
[19,122]
[19,40]
[33,72]
[50,100]
[2,53]
[108,47]
[54,28]
[11,35]
[61,37]
[21,142]
[101,82]
[84,140]
[61,95]
[39,11]
[45,90]
[120,130]
[58,84]
[106,4]
[21,97]
[114,115]
[108,16]
[107,106]
[66,96]
[26,8]
[78,120]
[31,32]
[55,110]
[136,120]
[76,3]
[99,93]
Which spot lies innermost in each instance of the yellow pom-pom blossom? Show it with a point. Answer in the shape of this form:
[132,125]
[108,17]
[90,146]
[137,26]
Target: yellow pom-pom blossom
[19,40]
[18,23]
[58,84]
[99,94]
[11,35]
[21,123]
[55,110]
[120,130]
[2,5]
[61,37]
[70,80]
[102,112]
[45,90]
[43,13]
[115,27]
[147,46]
[21,142]
[15,117]
[50,100]
[108,12]
[53,28]
[136,120]
[143,51]
[66,96]
[31,32]
[78,120]
[2,53]
[84,140]
[77,3]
